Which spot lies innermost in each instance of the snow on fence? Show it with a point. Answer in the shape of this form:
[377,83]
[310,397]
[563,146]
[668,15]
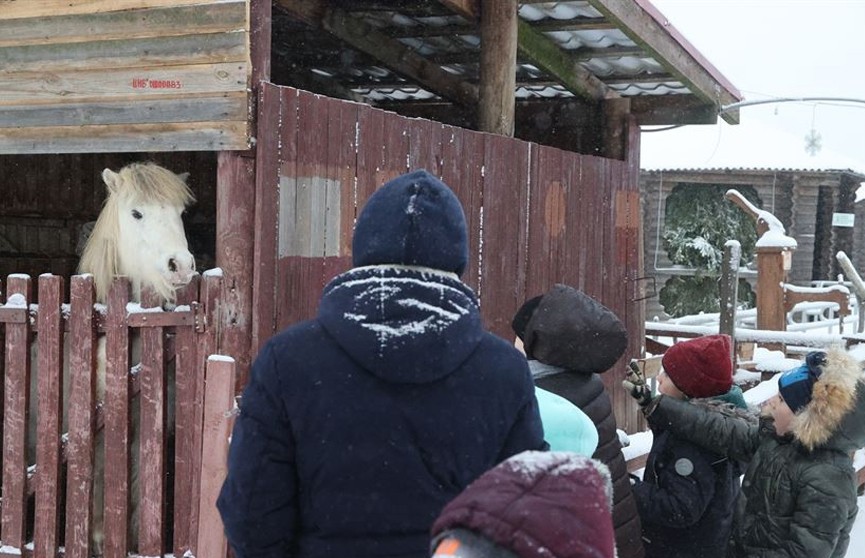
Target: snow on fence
[47,507]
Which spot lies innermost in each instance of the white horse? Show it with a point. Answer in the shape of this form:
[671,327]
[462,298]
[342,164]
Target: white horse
[139,234]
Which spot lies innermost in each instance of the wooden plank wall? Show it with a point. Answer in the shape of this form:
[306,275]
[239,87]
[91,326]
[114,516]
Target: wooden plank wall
[537,215]
[126,75]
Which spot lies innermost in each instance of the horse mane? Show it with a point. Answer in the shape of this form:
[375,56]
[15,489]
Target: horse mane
[147,182]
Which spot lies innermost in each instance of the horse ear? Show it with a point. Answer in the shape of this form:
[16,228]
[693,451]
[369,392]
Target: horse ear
[111,179]
[184,176]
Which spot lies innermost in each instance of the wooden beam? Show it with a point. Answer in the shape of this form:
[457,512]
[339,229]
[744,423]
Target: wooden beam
[310,12]
[390,52]
[498,66]
[616,113]
[235,244]
[469,9]
[582,24]
[672,51]
[649,110]
[668,110]
[547,55]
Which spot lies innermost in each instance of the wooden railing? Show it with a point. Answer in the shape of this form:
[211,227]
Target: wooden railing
[68,336]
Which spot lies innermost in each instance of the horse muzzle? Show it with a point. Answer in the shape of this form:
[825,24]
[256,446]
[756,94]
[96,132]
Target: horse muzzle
[180,269]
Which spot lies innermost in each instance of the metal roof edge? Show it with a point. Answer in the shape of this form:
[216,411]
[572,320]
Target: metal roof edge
[755,170]
[677,36]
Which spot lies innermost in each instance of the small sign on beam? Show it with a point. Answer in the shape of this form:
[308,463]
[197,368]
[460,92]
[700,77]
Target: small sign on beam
[842,219]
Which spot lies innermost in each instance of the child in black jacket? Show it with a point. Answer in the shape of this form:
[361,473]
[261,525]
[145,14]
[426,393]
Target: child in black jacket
[687,496]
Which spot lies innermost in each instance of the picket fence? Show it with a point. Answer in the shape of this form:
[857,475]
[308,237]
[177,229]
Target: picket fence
[45,510]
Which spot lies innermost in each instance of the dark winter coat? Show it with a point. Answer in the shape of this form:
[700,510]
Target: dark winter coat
[534,505]
[574,332]
[799,491]
[687,497]
[359,426]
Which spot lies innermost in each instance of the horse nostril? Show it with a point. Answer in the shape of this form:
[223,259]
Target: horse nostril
[172,265]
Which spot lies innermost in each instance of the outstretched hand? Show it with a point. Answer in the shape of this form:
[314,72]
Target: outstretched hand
[636,385]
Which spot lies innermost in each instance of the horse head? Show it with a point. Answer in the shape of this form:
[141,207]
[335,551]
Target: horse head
[139,233]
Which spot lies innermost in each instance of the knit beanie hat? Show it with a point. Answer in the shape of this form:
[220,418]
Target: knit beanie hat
[700,367]
[414,219]
[538,504]
[797,385]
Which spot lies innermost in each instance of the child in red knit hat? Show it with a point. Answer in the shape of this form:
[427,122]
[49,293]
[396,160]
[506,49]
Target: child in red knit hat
[687,495]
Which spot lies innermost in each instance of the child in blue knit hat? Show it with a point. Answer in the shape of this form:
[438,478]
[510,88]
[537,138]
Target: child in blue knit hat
[799,490]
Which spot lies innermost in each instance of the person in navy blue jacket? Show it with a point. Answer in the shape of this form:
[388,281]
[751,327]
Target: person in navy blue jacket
[357,427]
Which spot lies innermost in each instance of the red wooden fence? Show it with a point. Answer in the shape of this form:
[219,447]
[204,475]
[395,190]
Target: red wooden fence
[536,215]
[180,339]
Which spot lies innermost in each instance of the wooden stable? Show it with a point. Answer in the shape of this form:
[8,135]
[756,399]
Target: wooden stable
[289,113]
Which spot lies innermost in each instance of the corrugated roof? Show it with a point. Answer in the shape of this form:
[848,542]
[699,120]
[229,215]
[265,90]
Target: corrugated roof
[593,34]
[752,170]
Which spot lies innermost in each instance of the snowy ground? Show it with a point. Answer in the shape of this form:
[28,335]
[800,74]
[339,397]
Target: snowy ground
[641,442]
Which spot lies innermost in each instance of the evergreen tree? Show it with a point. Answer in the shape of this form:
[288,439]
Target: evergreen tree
[699,220]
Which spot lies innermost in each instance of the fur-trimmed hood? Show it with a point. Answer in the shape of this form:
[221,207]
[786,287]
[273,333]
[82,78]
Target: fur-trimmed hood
[835,416]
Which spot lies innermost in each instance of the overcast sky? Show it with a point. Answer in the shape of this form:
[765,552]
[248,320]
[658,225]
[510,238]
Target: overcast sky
[773,49]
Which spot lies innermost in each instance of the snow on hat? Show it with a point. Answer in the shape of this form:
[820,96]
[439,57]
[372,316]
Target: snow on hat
[700,367]
[414,219]
[796,385]
[539,504]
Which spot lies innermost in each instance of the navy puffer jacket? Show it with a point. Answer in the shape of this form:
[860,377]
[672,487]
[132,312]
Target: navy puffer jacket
[359,426]
[688,494]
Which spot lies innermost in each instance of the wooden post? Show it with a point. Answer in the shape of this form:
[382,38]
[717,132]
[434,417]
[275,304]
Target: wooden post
[151,468]
[730,290]
[49,385]
[186,420]
[80,450]
[218,421]
[211,290]
[16,414]
[117,421]
[772,266]
[235,218]
[615,127]
[235,212]
[498,66]
[858,287]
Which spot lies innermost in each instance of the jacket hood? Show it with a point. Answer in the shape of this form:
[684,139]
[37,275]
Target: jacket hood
[571,330]
[733,397]
[539,505]
[835,416]
[403,324]
[414,219]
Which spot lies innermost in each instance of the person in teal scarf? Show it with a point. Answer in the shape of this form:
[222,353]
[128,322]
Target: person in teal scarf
[566,426]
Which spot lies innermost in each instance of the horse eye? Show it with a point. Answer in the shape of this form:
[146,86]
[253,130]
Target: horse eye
[137,214]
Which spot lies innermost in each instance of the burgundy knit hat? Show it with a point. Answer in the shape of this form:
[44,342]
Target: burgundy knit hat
[700,367]
[538,504]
